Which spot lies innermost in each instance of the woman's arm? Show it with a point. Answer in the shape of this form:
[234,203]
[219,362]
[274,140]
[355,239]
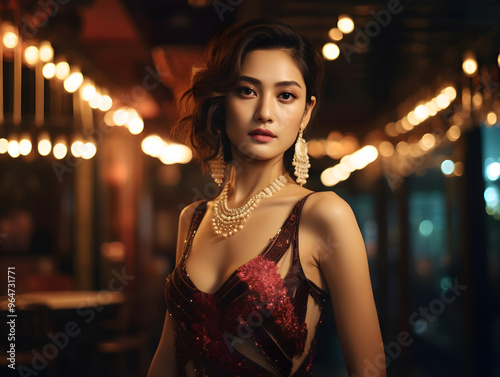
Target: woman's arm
[163,363]
[341,256]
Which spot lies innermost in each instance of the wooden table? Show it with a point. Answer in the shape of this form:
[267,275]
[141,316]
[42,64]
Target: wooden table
[64,300]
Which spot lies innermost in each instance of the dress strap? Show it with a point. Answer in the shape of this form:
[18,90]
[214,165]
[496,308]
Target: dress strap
[287,233]
[195,223]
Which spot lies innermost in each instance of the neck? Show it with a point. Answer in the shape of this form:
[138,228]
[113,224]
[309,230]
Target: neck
[250,177]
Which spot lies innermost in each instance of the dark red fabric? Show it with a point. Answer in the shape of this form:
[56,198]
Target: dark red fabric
[254,304]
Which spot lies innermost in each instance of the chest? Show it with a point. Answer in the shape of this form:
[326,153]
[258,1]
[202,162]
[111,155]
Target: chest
[212,259]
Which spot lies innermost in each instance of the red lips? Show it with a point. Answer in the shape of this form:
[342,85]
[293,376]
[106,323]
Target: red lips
[261,131]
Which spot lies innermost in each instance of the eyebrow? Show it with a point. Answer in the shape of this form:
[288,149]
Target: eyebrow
[280,83]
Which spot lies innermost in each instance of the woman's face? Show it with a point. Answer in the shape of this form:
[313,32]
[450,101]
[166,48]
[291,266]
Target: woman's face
[268,105]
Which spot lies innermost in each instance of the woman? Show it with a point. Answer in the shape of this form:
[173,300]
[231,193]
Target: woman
[246,295]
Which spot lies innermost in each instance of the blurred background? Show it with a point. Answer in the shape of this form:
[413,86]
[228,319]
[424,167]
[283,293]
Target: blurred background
[91,186]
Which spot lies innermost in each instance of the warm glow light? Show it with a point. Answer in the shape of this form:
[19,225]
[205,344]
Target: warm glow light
[405,124]
[403,148]
[49,70]
[386,149]
[120,117]
[60,150]
[135,126]
[10,39]
[88,91]
[459,169]
[167,155]
[498,60]
[340,173]
[31,55]
[13,149]
[25,145]
[345,24]
[477,100]
[44,146]
[131,114]
[331,51]
[346,164]
[335,34]
[421,112]
[46,52]
[415,150]
[363,157]
[152,145]
[73,82]
[316,148]
[450,92]
[88,150]
[466,99]
[469,66]
[453,133]
[106,103]
[76,148]
[491,118]
[62,70]
[432,108]
[412,118]
[108,118]
[334,149]
[442,101]
[458,119]
[185,155]
[4,145]
[390,129]
[428,141]
[327,178]
[95,101]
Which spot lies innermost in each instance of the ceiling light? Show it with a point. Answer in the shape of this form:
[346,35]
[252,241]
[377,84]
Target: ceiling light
[331,51]
[345,24]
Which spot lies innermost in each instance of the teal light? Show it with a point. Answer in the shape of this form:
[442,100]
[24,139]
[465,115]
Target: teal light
[425,228]
[447,167]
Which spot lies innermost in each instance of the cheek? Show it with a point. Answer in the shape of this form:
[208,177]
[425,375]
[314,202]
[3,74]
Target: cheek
[236,112]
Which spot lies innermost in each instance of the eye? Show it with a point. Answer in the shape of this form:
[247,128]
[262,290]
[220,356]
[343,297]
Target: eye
[287,96]
[245,91]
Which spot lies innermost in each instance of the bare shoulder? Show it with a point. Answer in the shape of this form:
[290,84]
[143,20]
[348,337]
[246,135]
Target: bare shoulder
[187,213]
[185,219]
[334,226]
[328,208]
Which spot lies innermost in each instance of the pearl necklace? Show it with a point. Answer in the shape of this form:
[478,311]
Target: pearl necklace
[227,221]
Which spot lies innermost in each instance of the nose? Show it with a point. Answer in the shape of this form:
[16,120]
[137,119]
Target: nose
[264,113]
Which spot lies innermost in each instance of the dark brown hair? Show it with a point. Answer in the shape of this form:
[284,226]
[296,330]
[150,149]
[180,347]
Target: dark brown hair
[202,107]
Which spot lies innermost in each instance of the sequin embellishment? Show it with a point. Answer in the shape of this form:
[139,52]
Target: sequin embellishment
[255,305]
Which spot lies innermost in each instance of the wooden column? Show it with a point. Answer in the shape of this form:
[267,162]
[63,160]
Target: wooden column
[84,262]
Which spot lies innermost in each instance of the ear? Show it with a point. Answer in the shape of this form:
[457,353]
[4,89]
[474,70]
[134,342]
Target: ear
[308,111]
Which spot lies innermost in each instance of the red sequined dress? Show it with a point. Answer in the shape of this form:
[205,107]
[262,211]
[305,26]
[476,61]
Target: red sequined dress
[257,323]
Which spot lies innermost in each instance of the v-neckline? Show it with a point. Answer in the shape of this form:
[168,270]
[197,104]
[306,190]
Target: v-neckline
[231,276]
